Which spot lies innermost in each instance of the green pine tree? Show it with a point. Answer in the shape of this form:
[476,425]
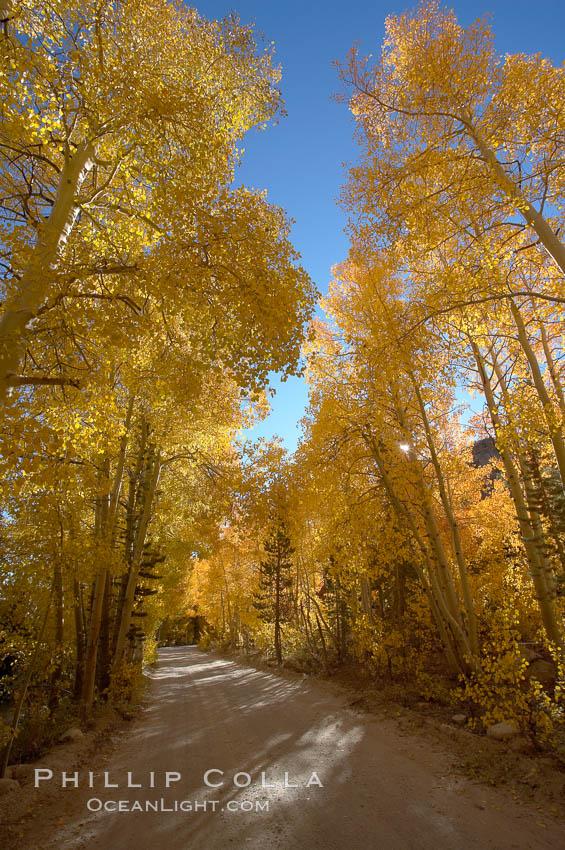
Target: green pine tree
[273,601]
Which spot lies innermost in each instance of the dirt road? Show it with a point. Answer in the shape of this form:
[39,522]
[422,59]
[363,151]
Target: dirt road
[381,788]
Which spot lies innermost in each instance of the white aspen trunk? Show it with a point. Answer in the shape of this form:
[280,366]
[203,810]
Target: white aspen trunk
[32,289]
[549,359]
[553,426]
[442,600]
[119,473]
[444,574]
[92,645]
[453,526]
[134,482]
[434,536]
[107,526]
[231,620]
[537,567]
[451,655]
[89,678]
[442,580]
[278,648]
[548,238]
[136,560]
[538,534]
[366,598]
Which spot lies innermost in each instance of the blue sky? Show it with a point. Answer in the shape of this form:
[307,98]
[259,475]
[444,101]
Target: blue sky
[300,161]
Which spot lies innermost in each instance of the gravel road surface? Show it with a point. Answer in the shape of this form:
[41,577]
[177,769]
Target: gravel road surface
[381,788]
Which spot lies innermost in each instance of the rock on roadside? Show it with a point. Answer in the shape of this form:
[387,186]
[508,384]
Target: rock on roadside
[502,731]
[71,735]
[8,785]
[544,672]
[24,773]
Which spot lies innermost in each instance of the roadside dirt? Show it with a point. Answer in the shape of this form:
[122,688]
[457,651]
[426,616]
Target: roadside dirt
[28,815]
[385,783]
[527,773]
